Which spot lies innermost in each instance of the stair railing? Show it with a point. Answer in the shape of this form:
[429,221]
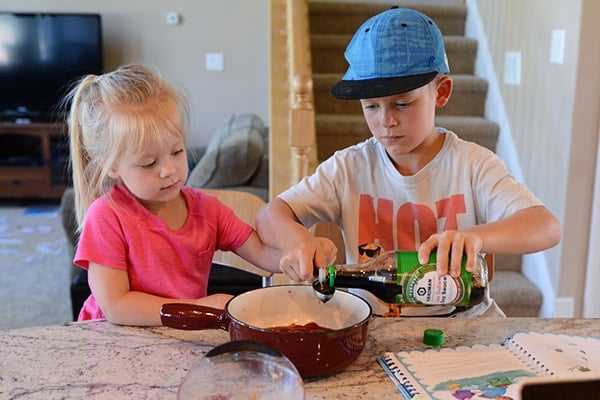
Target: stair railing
[301,113]
[302,126]
[292,152]
[292,136]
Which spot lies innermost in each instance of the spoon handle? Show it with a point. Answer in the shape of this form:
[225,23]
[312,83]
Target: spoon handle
[322,275]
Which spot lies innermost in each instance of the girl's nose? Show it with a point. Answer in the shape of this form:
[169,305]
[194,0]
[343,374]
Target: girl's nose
[167,169]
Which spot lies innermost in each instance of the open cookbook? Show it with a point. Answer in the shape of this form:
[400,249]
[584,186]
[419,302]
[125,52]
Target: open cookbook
[493,371]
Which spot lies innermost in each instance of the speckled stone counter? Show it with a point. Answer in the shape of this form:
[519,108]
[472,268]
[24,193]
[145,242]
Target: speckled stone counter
[98,360]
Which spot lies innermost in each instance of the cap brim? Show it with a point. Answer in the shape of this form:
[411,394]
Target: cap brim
[379,87]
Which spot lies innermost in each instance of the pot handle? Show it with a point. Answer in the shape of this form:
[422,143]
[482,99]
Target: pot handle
[193,317]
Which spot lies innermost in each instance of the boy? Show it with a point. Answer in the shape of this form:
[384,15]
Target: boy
[411,186]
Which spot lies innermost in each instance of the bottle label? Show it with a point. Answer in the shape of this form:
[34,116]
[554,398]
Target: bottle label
[422,285]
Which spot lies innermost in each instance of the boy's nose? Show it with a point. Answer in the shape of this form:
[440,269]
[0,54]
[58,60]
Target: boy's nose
[388,118]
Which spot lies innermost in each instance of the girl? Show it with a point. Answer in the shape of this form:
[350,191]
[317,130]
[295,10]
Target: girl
[145,238]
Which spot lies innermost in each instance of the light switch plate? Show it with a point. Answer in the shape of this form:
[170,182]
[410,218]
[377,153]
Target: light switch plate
[557,46]
[512,68]
[214,61]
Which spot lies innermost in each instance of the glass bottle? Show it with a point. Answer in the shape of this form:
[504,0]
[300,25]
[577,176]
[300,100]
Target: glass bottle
[398,277]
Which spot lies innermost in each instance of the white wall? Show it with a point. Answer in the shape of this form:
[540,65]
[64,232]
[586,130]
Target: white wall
[549,133]
[136,30]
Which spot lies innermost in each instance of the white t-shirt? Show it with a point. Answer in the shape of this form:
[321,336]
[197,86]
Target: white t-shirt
[360,190]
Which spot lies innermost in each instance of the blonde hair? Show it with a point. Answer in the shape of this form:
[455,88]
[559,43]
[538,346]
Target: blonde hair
[126,111]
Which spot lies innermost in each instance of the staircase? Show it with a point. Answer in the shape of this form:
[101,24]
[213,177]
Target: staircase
[340,123]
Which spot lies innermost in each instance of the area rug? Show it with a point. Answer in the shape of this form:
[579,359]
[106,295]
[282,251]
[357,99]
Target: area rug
[34,267]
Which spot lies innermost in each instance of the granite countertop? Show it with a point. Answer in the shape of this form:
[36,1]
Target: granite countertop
[98,360]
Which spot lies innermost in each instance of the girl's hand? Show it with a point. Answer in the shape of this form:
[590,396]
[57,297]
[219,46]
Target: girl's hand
[451,246]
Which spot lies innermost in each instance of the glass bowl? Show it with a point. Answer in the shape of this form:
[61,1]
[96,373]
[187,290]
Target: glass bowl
[242,369]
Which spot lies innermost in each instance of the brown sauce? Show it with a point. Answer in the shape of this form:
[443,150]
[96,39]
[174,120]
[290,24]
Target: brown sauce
[308,327]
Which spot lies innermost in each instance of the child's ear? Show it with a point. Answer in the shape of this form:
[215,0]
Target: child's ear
[443,91]
[112,172]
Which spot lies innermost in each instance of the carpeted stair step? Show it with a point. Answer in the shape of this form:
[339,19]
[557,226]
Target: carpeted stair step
[327,104]
[468,97]
[462,53]
[475,129]
[516,295]
[336,131]
[507,262]
[345,18]
[328,53]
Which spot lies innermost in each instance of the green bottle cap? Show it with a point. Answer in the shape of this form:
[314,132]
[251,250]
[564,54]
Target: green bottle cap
[433,337]
[331,269]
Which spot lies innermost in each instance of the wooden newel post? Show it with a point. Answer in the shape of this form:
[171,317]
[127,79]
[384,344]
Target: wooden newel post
[302,125]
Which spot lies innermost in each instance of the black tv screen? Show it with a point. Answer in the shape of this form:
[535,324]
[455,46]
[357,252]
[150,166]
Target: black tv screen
[40,55]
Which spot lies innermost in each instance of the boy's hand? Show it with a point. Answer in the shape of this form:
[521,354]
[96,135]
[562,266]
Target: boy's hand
[298,263]
[451,246]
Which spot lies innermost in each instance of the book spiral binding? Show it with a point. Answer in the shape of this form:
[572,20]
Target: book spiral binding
[401,381]
[529,358]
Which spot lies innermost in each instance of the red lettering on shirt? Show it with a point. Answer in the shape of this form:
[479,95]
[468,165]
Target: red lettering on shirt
[414,222]
[376,226]
[450,208]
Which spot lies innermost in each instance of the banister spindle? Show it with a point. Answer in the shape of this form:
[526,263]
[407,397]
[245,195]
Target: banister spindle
[302,125]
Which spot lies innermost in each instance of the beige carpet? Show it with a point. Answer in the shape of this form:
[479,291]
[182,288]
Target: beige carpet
[34,273]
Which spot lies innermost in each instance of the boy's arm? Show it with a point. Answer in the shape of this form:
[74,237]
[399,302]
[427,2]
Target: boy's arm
[301,251]
[529,230]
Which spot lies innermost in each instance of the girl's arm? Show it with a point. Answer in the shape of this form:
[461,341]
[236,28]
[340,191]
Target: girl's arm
[123,306]
[257,253]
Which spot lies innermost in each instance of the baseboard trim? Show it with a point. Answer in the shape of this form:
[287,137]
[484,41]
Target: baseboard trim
[564,307]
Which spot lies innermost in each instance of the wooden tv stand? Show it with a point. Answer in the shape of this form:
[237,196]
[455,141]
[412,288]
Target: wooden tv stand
[33,160]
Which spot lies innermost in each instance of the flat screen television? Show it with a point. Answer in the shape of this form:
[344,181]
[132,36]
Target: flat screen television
[41,54]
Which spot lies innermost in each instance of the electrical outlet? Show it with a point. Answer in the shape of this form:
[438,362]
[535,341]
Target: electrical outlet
[512,68]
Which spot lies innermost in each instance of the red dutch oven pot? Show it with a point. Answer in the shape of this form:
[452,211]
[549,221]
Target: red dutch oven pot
[254,314]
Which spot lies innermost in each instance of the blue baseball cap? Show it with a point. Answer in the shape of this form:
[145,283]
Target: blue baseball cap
[393,52]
